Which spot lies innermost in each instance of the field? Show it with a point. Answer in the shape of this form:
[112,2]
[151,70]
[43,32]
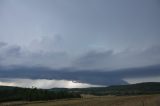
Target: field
[145,100]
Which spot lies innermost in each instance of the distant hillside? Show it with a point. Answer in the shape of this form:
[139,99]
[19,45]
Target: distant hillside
[132,89]
[32,94]
[7,87]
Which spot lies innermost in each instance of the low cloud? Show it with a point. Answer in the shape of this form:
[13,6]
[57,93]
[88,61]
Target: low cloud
[142,79]
[96,77]
[44,83]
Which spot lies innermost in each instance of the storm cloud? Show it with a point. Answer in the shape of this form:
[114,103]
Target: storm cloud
[81,36]
[125,59]
[91,60]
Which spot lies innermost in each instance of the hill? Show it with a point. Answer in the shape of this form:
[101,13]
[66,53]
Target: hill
[34,94]
[131,89]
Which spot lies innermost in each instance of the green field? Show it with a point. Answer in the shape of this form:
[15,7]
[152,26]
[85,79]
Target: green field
[143,100]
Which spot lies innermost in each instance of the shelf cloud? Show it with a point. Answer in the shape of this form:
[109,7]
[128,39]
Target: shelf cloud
[79,36]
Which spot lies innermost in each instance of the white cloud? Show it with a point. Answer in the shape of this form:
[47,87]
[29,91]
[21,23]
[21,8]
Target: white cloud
[142,79]
[44,83]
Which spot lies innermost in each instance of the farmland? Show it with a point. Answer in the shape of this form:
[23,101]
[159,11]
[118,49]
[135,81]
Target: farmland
[142,94]
[142,100]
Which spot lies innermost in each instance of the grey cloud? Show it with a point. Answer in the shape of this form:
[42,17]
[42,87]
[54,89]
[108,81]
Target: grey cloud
[2,44]
[45,73]
[13,51]
[7,51]
[15,55]
[93,60]
[120,60]
[113,24]
[93,41]
[50,43]
[10,55]
[81,26]
[96,77]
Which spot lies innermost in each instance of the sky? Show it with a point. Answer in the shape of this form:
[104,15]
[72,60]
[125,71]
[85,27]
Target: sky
[87,35]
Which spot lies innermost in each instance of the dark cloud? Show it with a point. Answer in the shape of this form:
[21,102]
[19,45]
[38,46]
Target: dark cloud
[97,77]
[13,51]
[91,36]
[119,60]
[11,55]
[2,44]
[93,59]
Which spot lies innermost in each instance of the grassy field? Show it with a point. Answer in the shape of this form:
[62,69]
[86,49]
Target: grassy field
[145,100]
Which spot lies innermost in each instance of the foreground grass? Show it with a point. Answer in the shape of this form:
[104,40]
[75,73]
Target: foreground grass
[145,100]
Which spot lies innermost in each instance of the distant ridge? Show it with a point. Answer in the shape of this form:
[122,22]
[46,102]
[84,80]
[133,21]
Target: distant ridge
[129,89]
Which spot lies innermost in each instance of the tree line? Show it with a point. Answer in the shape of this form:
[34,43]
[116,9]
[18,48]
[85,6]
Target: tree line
[34,94]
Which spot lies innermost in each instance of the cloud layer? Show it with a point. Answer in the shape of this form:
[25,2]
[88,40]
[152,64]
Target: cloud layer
[44,83]
[79,35]
[91,60]
[95,77]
